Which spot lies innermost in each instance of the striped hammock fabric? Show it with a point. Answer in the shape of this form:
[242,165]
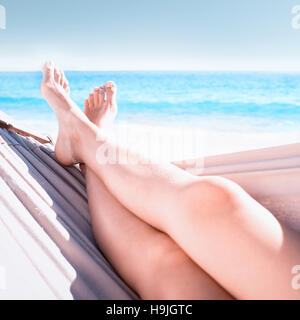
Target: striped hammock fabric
[47,249]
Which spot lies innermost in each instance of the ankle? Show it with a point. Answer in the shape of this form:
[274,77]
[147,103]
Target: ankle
[83,132]
[76,139]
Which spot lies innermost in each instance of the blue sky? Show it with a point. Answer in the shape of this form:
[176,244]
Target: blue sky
[150,35]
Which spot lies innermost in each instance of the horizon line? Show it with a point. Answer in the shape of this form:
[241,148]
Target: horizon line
[161,70]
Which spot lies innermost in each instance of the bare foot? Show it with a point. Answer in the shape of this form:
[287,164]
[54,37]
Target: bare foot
[55,89]
[101,111]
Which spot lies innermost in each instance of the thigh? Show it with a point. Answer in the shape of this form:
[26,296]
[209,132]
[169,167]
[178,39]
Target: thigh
[237,241]
[147,259]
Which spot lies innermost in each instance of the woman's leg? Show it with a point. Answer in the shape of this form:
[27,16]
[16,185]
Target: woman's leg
[147,259]
[234,239]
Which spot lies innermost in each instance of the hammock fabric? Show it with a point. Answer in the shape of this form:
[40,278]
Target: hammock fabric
[47,249]
[271,176]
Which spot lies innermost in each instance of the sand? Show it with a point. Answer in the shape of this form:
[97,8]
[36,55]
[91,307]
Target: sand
[174,143]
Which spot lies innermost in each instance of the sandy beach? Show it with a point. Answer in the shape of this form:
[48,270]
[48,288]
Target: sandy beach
[175,143]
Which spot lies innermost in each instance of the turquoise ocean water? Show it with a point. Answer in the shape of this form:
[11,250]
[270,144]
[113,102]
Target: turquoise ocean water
[237,102]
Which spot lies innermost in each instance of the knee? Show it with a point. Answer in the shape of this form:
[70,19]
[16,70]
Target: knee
[167,268]
[213,196]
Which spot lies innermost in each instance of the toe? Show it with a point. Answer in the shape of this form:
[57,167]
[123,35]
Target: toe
[111,86]
[48,70]
[49,65]
[86,106]
[62,77]
[66,86]
[57,75]
[101,94]
[64,82]
[111,90]
[96,97]
[91,100]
